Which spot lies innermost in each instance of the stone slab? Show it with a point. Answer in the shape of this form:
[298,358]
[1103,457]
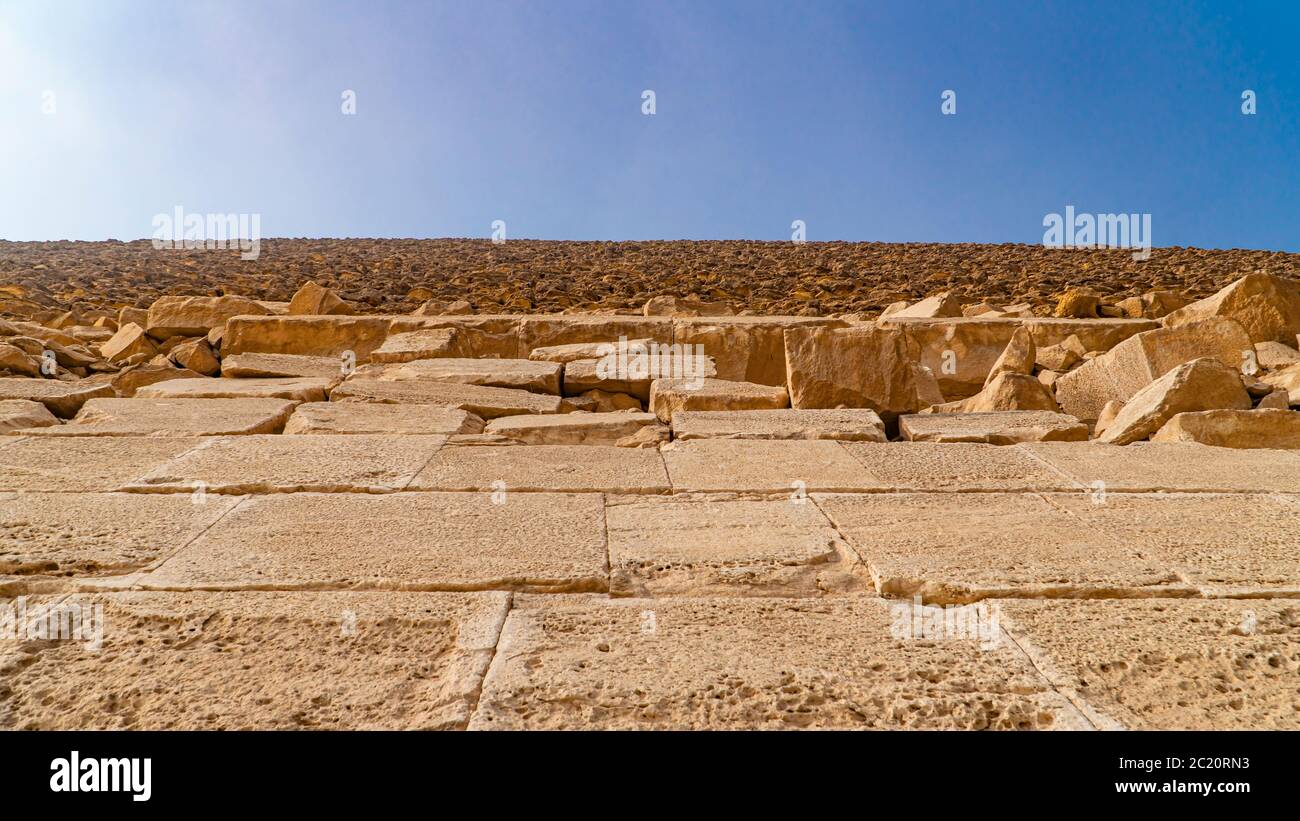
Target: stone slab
[278,365]
[374,417]
[954,467]
[1170,466]
[763,467]
[488,403]
[174,417]
[519,374]
[297,388]
[571,428]
[62,399]
[407,541]
[262,661]
[362,463]
[996,428]
[567,468]
[845,424]
[83,464]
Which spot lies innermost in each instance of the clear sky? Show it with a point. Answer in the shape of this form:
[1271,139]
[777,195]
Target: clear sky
[531,112]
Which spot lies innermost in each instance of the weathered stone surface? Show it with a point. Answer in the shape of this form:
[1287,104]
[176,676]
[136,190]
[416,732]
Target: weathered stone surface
[943,304]
[306,335]
[196,315]
[407,541]
[15,360]
[686,663]
[16,414]
[956,548]
[954,466]
[1153,304]
[1287,379]
[131,379]
[634,372]
[1267,306]
[1275,355]
[1062,356]
[489,403]
[670,396]
[580,350]
[1137,362]
[373,417]
[598,401]
[278,365]
[288,661]
[129,340]
[1232,544]
[313,299]
[780,468]
[297,388]
[1078,303]
[174,417]
[571,428]
[744,348]
[1007,391]
[566,468]
[857,367]
[1005,428]
[83,464]
[79,534]
[423,343]
[1202,384]
[63,399]
[519,374]
[1234,428]
[1018,357]
[549,331]
[362,463]
[847,424]
[1108,413]
[1098,469]
[196,355]
[483,336]
[1186,665]
[661,547]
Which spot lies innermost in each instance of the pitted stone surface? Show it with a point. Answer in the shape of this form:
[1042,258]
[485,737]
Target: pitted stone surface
[488,403]
[236,661]
[375,417]
[77,463]
[572,662]
[406,541]
[1169,466]
[846,424]
[954,466]
[174,417]
[287,463]
[763,466]
[567,468]
[297,388]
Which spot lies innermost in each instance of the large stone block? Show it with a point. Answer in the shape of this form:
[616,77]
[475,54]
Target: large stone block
[1267,306]
[305,335]
[196,315]
[744,348]
[857,367]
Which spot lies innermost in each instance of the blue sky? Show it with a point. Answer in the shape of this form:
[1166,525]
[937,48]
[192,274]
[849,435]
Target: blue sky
[766,113]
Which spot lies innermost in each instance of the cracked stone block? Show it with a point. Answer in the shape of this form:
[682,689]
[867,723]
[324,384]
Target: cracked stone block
[174,417]
[1161,466]
[297,388]
[406,541]
[287,463]
[280,365]
[80,534]
[955,466]
[845,424]
[571,428]
[488,403]
[661,546]
[996,428]
[1186,664]
[571,662]
[84,463]
[63,399]
[244,661]
[763,467]
[567,468]
[373,417]
[951,548]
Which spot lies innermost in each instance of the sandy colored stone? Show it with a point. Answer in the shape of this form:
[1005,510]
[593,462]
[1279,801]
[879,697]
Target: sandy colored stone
[486,402]
[313,299]
[955,548]
[744,348]
[406,541]
[129,340]
[777,468]
[847,424]
[1060,357]
[563,468]
[1202,384]
[573,662]
[1275,355]
[1224,544]
[494,336]
[81,534]
[1234,428]
[857,367]
[373,417]
[424,343]
[1267,306]
[263,661]
[16,414]
[548,331]
[85,464]
[298,388]
[1005,428]
[1153,304]
[599,401]
[571,428]
[367,463]
[196,315]
[1078,303]
[579,350]
[1170,466]
[633,373]
[1018,357]
[518,374]
[63,399]
[1108,413]
[330,336]
[954,467]
[196,355]
[943,304]
[278,365]
[1287,379]
[1169,665]
[1007,391]
[17,361]
[174,417]
[670,396]
[1138,361]
[660,546]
